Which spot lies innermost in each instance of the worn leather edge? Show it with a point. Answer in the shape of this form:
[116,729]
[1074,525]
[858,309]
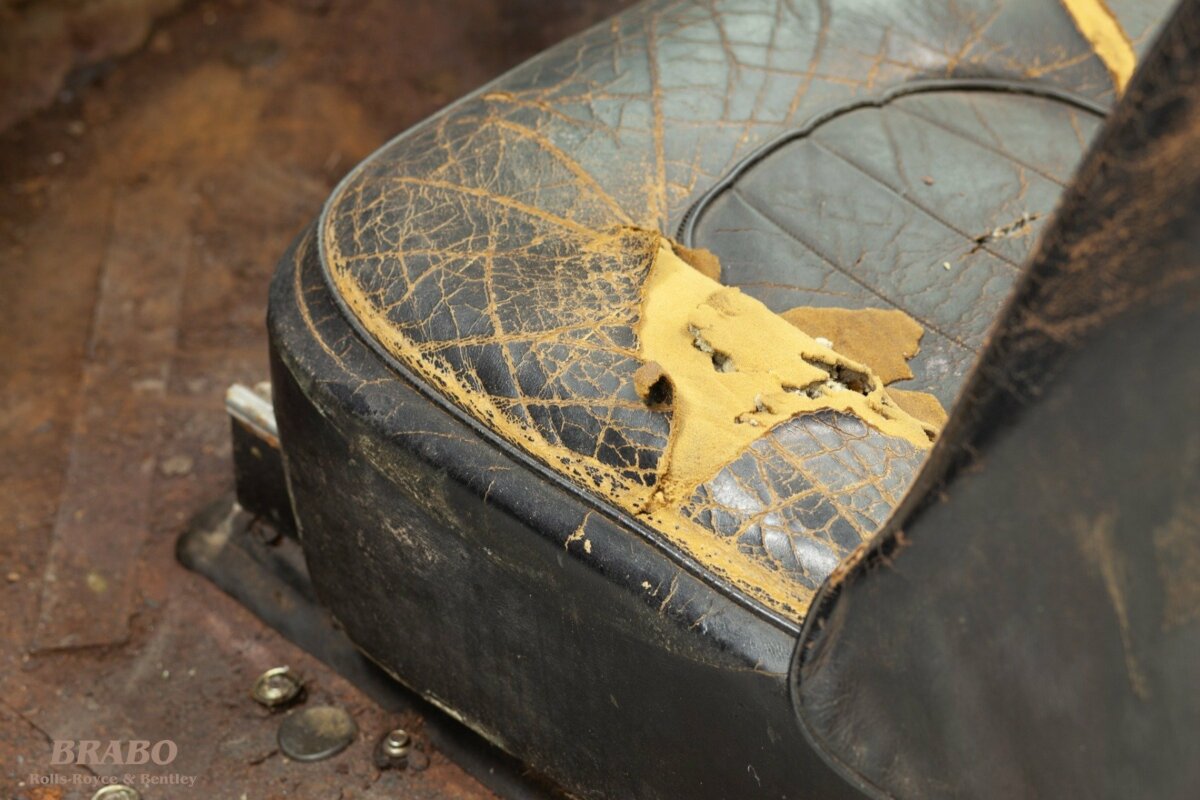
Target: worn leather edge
[548,474]
[616,517]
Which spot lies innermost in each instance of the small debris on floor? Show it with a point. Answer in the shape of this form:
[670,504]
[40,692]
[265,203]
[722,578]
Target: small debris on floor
[176,466]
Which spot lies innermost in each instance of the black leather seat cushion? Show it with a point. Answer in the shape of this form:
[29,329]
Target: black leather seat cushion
[498,252]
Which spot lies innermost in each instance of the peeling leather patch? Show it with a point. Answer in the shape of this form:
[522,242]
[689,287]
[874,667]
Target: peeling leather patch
[737,370]
[883,339]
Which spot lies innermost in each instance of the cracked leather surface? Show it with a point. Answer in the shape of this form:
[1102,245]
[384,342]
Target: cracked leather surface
[826,474]
[497,251]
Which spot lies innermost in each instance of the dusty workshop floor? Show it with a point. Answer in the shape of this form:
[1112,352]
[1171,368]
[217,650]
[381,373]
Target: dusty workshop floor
[140,216]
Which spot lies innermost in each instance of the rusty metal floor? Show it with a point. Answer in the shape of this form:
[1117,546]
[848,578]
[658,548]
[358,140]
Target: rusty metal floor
[140,218]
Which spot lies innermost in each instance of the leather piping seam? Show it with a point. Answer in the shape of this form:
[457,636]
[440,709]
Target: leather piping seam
[687,225]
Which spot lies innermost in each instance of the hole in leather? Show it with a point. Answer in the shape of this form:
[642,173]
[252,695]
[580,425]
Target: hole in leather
[660,392]
[721,362]
[653,385]
[852,379]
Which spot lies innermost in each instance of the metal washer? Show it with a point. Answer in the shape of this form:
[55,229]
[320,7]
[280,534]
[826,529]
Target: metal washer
[316,733]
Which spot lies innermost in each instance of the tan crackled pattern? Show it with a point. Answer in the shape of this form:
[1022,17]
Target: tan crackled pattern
[499,250]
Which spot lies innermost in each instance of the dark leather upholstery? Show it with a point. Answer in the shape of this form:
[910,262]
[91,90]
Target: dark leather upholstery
[480,250]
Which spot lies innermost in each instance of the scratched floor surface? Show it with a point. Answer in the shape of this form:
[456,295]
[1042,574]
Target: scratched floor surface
[140,216]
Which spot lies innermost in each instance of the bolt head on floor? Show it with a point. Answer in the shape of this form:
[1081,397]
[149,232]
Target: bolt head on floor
[277,687]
